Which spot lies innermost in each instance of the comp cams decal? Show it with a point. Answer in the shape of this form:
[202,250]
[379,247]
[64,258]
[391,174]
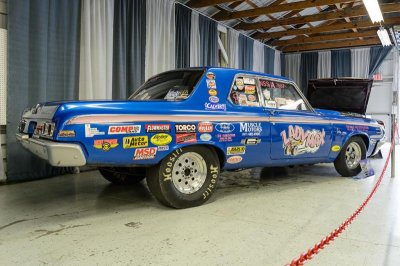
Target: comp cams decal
[161,139]
[297,141]
[135,142]
[125,129]
[105,144]
[145,153]
[235,150]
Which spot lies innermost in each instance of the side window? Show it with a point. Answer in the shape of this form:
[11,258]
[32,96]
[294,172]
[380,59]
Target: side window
[244,91]
[281,95]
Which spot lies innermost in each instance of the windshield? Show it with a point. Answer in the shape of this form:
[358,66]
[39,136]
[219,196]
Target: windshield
[169,86]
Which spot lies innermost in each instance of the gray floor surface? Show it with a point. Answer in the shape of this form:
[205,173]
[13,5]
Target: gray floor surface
[257,217]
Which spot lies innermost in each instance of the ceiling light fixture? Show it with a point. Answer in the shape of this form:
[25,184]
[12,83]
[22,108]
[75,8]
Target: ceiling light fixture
[384,37]
[374,11]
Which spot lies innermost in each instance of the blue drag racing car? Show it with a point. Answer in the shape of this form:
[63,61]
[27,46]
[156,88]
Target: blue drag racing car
[182,127]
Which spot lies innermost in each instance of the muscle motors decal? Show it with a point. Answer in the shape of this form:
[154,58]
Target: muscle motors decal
[297,141]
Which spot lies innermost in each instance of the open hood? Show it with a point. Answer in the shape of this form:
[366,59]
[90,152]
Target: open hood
[340,94]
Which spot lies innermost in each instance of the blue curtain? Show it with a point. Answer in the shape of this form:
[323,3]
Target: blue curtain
[183,19]
[341,63]
[129,47]
[208,41]
[283,65]
[245,52]
[308,69]
[269,58]
[43,65]
[377,55]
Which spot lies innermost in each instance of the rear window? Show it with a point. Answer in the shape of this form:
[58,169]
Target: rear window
[169,86]
[244,91]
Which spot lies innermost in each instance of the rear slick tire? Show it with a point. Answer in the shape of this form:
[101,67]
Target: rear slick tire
[185,178]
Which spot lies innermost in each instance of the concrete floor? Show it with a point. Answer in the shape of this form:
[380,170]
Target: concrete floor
[257,217]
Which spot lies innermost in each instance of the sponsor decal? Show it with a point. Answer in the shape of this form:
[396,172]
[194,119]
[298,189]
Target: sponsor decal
[145,153]
[271,84]
[125,129]
[250,89]
[235,150]
[205,137]
[297,141]
[92,131]
[205,127]
[243,99]
[105,144]
[212,92]
[210,75]
[251,98]
[185,128]
[176,94]
[356,128]
[250,129]
[234,159]
[213,99]
[214,171]
[186,138]
[239,82]
[161,139]
[224,127]
[225,137]
[66,133]
[250,141]
[250,81]
[163,148]
[167,174]
[135,142]
[215,106]
[158,128]
[211,84]
[336,148]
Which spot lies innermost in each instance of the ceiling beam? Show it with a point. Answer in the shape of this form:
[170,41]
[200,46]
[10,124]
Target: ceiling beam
[321,29]
[324,38]
[204,3]
[279,8]
[332,15]
[331,45]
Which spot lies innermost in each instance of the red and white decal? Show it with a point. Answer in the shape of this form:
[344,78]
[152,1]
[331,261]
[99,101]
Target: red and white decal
[126,129]
[205,127]
[145,153]
[186,138]
[158,128]
[234,159]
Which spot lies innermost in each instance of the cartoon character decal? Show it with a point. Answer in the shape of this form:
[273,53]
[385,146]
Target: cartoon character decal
[299,141]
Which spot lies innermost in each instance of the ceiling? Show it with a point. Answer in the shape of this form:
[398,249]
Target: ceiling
[301,25]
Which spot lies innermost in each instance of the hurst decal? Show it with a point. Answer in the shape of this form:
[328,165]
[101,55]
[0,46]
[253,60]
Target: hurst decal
[128,129]
[297,141]
[135,142]
[105,144]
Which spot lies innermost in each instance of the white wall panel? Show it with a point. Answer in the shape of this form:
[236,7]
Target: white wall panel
[3,76]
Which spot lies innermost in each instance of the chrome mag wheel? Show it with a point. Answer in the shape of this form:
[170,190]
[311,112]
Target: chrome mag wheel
[353,155]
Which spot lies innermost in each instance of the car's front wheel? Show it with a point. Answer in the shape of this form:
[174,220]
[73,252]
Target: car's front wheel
[185,178]
[123,175]
[348,161]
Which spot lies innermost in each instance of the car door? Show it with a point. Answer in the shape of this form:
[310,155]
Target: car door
[296,130]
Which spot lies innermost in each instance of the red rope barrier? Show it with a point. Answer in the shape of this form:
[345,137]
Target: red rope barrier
[335,233]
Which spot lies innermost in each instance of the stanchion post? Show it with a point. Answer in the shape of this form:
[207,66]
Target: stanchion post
[393,155]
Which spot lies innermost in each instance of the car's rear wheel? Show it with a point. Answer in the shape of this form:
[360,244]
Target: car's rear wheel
[348,161]
[123,175]
[185,178]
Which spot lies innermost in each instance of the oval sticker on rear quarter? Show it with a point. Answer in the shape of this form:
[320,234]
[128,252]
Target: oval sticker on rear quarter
[161,139]
[336,148]
[234,159]
[205,137]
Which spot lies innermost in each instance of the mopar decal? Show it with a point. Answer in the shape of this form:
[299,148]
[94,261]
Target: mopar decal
[298,141]
[135,142]
[224,127]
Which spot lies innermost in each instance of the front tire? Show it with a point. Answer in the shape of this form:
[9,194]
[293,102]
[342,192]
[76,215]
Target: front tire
[123,175]
[348,161]
[185,178]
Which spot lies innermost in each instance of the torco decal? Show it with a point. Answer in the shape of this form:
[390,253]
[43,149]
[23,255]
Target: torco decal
[105,144]
[234,159]
[250,141]
[66,134]
[186,138]
[135,142]
[224,127]
[298,141]
[161,139]
[236,150]
[145,153]
[128,129]
[185,128]
[158,128]
[205,127]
